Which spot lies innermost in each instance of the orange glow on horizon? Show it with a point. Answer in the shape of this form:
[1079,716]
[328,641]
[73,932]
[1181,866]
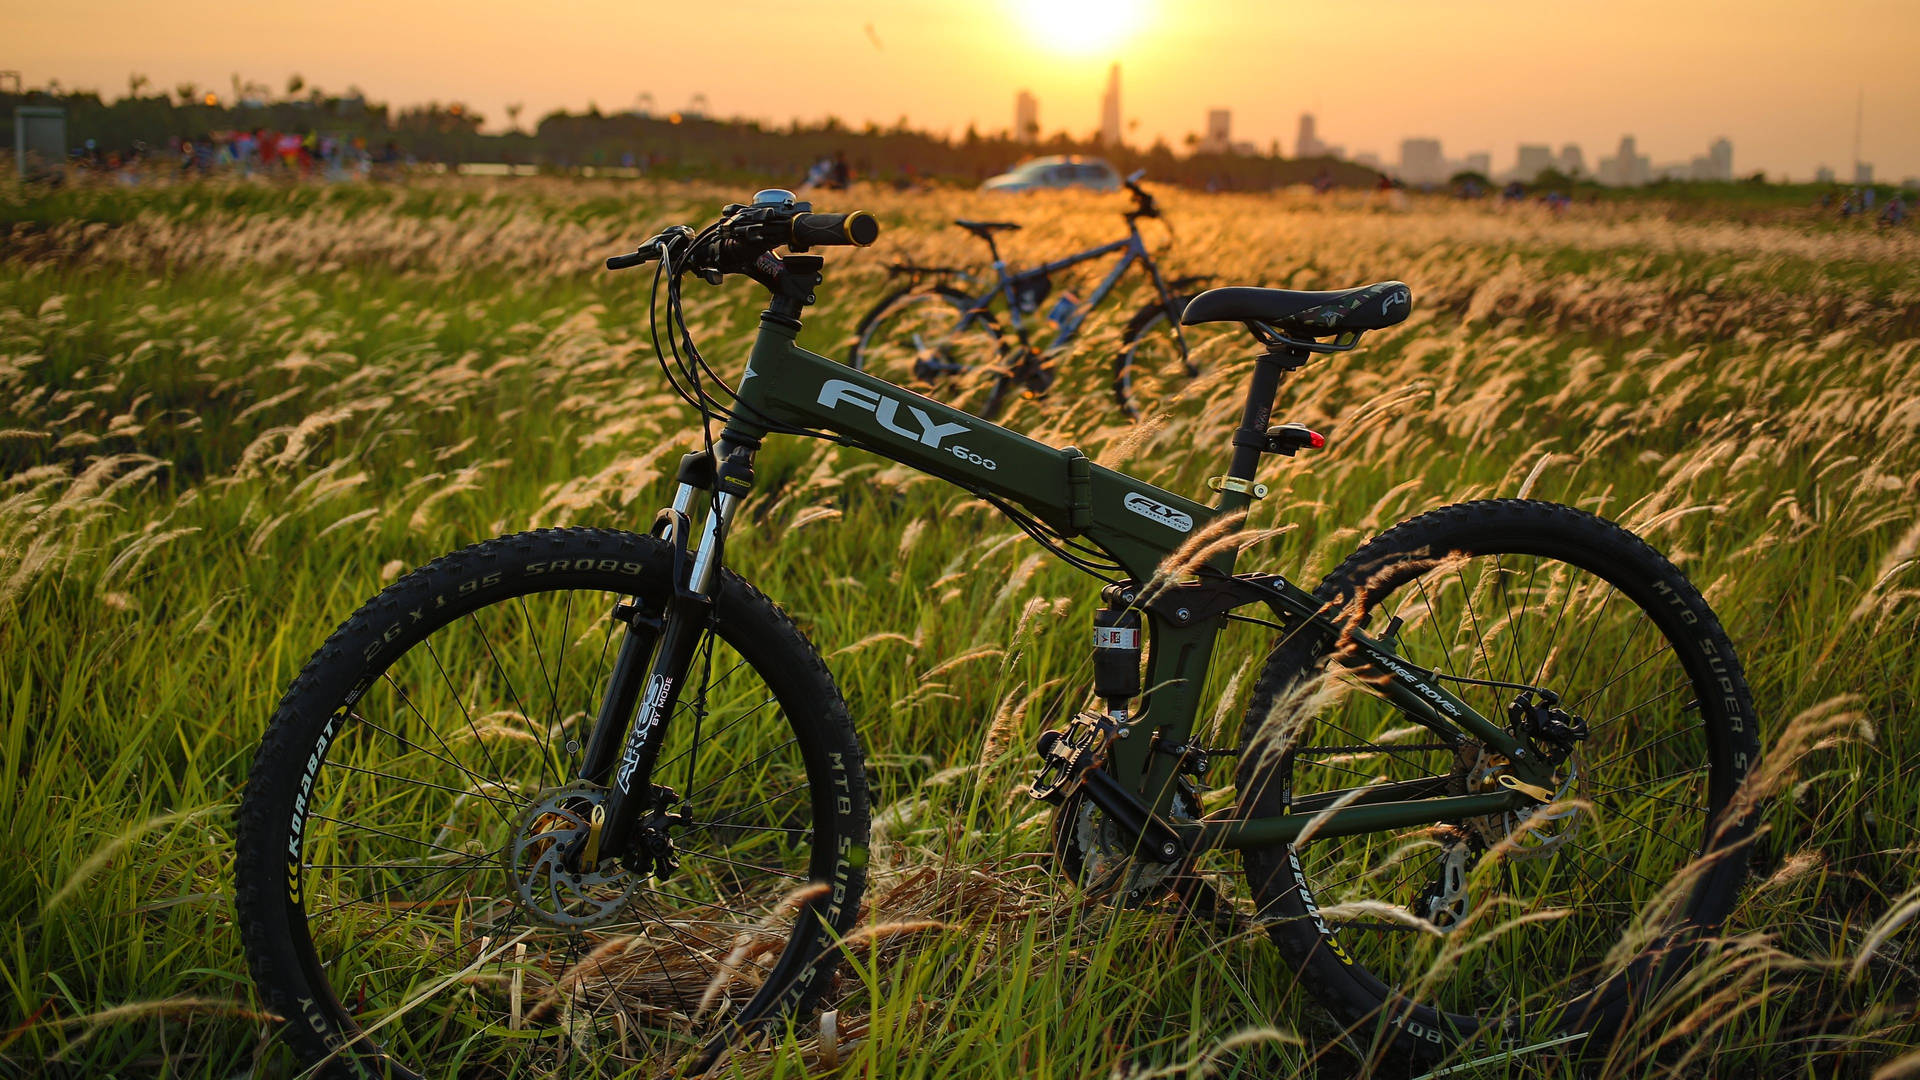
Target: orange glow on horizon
[1782,81]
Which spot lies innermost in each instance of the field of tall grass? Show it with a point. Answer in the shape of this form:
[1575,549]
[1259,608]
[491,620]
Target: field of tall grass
[228,414]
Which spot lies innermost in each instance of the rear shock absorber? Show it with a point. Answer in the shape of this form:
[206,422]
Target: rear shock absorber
[1066,755]
[1116,658]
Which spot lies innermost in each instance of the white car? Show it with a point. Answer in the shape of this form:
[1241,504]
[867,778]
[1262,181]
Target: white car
[1046,173]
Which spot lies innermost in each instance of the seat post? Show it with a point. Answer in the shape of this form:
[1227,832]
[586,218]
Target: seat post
[1251,437]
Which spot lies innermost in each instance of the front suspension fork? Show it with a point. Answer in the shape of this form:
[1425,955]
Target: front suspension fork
[655,656]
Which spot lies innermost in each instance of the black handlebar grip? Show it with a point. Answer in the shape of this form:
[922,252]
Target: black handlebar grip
[646,254]
[857,229]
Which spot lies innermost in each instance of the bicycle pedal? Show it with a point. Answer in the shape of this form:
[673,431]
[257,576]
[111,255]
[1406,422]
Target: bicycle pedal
[1066,754]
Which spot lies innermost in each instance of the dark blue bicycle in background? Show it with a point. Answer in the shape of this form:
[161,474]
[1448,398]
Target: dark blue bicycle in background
[930,334]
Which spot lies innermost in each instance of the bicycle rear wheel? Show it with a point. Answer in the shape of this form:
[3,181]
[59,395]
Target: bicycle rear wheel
[1522,926]
[398,884]
[935,340]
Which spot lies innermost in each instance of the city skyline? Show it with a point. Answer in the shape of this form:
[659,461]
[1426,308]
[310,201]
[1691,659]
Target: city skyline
[1422,159]
[1779,82]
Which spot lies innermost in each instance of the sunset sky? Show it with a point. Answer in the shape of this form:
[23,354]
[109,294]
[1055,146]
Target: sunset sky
[1778,77]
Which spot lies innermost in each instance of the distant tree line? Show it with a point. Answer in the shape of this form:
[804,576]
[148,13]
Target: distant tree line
[671,144]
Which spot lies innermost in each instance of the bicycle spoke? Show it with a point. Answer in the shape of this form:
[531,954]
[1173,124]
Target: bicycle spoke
[458,699]
[472,862]
[479,781]
[553,692]
[512,690]
[1649,744]
[744,865]
[416,782]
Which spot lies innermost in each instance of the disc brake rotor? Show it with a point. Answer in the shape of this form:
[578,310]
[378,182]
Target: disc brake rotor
[1478,772]
[549,835]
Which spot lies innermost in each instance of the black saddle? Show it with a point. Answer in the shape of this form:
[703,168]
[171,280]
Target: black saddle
[985,229]
[1305,314]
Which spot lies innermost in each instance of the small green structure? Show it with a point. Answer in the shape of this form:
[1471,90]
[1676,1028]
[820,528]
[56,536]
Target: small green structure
[39,141]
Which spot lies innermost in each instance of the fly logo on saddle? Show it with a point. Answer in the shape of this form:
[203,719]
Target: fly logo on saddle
[1397,296]
[1158,511]
[837,392]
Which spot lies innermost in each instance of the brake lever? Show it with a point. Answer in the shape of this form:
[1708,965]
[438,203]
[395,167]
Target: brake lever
[672,240]
[675,246]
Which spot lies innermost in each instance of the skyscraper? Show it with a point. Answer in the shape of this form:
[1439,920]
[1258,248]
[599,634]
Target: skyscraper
[1421,161]
[1721,155]
[1307,144]
[1110,110]
[1627,167]
[1533,159]
[1572,161]
[1026,117]
[1219,136]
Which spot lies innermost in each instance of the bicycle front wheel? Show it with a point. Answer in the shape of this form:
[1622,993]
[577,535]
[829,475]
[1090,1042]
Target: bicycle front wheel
[398,884]
[1535,923]
[1155,359]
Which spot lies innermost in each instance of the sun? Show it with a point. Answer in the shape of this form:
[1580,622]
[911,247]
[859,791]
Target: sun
[1080,27]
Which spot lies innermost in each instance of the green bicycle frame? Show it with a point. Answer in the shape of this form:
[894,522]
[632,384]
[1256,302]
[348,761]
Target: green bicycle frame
[1146,530]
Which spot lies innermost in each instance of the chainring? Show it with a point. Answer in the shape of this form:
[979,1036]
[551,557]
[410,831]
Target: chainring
[1097,856]
[546,835]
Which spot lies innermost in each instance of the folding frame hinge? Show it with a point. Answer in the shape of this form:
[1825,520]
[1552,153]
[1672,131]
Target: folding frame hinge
[1079,489]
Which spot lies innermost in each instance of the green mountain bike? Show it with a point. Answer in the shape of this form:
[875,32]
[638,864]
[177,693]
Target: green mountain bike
[579,798]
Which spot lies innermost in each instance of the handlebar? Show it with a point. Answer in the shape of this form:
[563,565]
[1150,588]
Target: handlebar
[654,248]
[1143,204]
[858,229]
[745,233]
[622,262]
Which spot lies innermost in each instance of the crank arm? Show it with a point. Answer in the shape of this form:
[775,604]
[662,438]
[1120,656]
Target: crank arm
[1153,837]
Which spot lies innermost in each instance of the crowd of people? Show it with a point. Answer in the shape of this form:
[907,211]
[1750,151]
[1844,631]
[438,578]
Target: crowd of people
[1859,202]
[261,151]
